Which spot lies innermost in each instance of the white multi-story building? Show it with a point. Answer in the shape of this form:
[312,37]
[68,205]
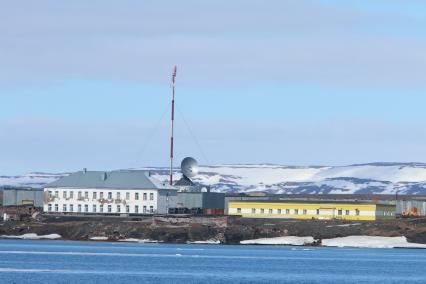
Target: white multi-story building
[116,192]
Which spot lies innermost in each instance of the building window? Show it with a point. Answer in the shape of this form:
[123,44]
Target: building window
[101,195]
[118,208]
[136,195]
[279,211]
[94,195]
[86,195]
[56,207]
[64,194]
[109,208]
[71,194]
[144,209]
[270,211]
[151,196]
[101,208]
[318,211]
[109,195]
[253,210]
[287,211]
[357,212]
[347,212]
[94,208]
[127,208]
[127,195]
[151,209]
[262,211]
[49,207]
[79,195]
[145,196]
[296,211]
[79,207]
[50,194]
[71,208]
[86,208]
[238,210]
[339,212]
[136,209]
[118,195]
[64,208]
[56,193]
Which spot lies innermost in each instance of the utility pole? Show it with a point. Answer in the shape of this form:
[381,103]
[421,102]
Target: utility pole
[173,124]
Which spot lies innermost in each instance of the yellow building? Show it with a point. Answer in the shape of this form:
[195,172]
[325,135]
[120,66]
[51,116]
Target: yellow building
[322,210]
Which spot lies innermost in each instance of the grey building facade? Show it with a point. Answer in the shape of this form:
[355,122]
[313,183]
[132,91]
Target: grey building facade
[204,200]
[23,196]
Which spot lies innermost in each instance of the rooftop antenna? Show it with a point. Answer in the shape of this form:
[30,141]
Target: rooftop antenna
[173,123]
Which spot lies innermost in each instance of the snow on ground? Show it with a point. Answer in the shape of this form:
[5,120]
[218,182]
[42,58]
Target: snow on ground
[207,242]
[32,237]
[371,242]
[34,180]
[384,178]
[289,240]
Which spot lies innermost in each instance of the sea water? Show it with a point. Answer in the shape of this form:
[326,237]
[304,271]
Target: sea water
[90,262]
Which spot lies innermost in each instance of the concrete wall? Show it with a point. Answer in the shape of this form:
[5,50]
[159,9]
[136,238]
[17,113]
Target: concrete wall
[14,197]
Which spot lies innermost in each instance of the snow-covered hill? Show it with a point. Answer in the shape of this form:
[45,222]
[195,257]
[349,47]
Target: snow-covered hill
[379,178]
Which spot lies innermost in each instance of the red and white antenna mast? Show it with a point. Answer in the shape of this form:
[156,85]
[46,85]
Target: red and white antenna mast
[173,124]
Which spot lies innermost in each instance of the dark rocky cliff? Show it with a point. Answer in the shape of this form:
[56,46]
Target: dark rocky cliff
[227,230]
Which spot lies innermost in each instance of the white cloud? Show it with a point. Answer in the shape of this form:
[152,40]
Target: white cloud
[223,42]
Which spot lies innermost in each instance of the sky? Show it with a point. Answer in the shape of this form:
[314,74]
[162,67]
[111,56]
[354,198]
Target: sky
[86,84]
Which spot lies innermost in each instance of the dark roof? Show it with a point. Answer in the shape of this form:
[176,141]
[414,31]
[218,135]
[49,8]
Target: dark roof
[125,179]
[184,181]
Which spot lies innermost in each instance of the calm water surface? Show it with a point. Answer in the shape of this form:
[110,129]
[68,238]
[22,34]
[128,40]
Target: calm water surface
[88,262]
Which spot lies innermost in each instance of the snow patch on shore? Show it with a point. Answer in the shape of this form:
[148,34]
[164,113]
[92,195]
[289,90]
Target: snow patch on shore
[131,240]
[98,238]
[371,242]
[32,237]
[289,240]
[207,242]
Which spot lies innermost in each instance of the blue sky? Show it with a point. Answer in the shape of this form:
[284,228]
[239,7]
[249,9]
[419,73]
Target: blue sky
[87,84]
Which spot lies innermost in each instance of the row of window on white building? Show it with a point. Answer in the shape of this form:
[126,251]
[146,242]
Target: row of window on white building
[108,195]
[99,208]
[295,211]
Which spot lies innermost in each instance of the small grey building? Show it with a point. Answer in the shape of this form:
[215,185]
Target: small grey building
[23,196]
[201,200]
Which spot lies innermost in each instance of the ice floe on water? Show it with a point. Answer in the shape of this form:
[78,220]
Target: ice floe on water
[288,240]
[206,242]
[351,241]
[32,237]
[371,242]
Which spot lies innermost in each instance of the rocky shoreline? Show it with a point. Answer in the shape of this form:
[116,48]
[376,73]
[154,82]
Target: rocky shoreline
[220,229]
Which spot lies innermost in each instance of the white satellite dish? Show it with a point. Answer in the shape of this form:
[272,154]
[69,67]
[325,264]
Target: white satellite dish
[189,167]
